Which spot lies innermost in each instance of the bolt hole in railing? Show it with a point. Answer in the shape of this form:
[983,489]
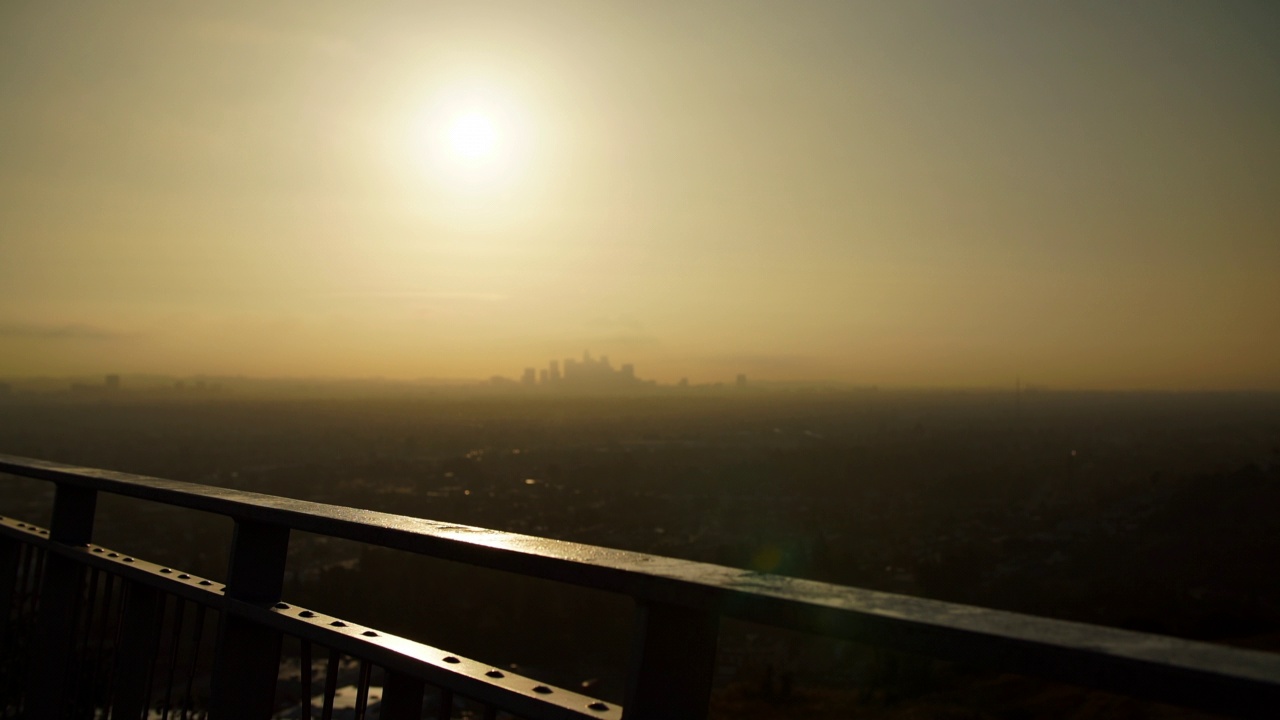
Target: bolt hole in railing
[321,683]
[117,628]
[139,651]
[165,644]
[92,631]
[565,636]
[179,538]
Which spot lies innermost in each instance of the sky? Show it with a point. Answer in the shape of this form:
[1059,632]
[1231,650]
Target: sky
[1082,195]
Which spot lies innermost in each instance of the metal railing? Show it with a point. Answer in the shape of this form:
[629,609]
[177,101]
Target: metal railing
[88,631]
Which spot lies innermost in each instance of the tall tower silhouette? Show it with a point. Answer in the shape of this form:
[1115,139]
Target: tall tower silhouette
[1017,398]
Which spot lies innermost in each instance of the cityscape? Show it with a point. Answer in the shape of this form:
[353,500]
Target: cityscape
[585,375]
[591,374]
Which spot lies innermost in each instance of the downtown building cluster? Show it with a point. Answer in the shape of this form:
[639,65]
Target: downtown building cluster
[586,374]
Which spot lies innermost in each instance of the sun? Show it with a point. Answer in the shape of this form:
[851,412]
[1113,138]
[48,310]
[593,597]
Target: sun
[474,140]
[472,137]
[471,146]
[474,152]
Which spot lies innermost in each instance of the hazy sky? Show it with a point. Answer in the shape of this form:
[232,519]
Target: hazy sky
[903,193]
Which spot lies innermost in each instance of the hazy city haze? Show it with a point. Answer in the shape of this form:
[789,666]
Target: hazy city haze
[908,193]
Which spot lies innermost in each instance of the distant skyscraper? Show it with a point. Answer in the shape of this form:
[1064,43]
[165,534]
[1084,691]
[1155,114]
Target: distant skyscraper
[742,381]
[1017,397]
[113,382]
[588,374]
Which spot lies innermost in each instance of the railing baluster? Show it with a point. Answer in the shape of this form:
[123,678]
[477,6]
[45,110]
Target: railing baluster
[247,659]
[10,569]
[84,629]
[176,645]
[38,556]
[446,704]
[330,684]
[148,694]
[10,555]
[139,638]
[61,584]
[16,603]
[673,663]
[362,689]
[101,687]
[198,635]
[26,563]
[10,589]
[304,679]
[27,600]
[402,697]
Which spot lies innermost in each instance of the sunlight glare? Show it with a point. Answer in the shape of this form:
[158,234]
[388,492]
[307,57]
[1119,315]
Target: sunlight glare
[472,136]
[474,139]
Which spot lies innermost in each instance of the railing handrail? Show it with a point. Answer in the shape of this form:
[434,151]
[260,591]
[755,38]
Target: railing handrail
[1181,671]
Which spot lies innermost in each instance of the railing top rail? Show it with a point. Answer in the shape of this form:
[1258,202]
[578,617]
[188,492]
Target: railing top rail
[1177,670]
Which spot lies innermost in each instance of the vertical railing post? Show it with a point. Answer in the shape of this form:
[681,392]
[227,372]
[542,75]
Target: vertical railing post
[60,590]
[10,563]
[139,640]
[673,663]
[402,697]
[247,658]
[10,553]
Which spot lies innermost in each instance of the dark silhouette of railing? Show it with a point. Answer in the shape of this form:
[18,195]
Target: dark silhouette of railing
[87,629]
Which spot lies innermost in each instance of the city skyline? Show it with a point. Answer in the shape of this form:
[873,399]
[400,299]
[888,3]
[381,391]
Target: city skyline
[920,194]
[587,373]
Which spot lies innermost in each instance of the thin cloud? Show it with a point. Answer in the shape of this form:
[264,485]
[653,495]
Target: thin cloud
[762,362]
[260,36]
[67,331]
[615,322]
[625,342]
[422,295]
